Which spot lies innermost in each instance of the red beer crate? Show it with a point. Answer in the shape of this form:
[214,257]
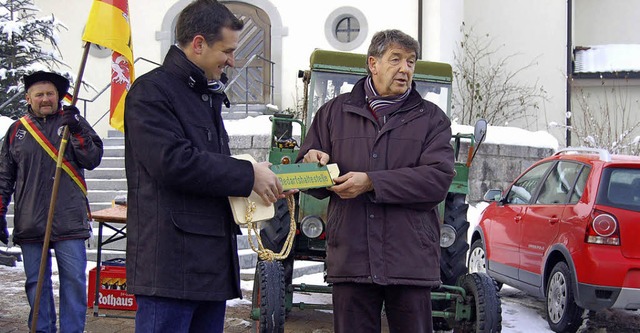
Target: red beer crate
[112,293]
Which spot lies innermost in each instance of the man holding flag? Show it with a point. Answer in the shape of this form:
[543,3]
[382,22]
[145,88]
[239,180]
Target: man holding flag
[27,163]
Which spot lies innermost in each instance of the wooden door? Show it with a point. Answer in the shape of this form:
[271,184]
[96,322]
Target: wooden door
[250,83]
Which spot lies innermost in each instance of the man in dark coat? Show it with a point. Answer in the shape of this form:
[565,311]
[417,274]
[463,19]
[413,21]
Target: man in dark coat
[27,164]
[393,150]
[182,261]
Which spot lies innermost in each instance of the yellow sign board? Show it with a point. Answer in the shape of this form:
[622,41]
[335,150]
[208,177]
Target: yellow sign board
[305,176]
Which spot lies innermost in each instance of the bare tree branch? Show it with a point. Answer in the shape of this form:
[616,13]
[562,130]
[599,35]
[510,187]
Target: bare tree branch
[486,88]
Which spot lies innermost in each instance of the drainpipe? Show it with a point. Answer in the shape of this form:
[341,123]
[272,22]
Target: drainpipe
[420,28]
[569,71]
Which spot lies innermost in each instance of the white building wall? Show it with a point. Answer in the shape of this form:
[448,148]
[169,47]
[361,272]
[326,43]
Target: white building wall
[612,101]
[606,22]
[306,32]
[302,31]
[535,31]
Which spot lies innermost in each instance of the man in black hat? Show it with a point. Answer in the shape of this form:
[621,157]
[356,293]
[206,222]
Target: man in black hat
[27,166]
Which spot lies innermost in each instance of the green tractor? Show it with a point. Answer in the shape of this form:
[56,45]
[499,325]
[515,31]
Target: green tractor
[465,302]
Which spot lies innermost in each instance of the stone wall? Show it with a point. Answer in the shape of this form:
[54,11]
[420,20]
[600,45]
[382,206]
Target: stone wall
[495,165]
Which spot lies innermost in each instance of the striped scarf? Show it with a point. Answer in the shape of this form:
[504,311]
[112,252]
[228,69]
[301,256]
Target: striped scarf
[382,107]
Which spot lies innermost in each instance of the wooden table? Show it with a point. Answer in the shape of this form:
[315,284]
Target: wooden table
[108,217]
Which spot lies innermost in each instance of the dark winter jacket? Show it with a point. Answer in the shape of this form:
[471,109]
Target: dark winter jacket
[181,236]
[27,171]
[390,235]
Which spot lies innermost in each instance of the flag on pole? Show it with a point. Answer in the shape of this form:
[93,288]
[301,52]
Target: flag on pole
[108,26]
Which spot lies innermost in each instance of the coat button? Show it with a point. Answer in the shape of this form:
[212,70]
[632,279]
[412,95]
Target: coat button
[205,97]
[371,216]
[375,155]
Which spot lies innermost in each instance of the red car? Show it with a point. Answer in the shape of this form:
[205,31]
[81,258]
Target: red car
[567,230]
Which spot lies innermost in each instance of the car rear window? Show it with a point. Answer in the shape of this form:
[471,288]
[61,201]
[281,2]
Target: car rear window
[620,188]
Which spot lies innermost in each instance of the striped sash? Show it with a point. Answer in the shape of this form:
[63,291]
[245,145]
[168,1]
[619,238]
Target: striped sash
[53,152]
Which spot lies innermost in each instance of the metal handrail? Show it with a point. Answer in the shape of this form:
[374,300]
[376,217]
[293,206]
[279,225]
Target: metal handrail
[84,100]
[20,91]
[245,69]
[233,81]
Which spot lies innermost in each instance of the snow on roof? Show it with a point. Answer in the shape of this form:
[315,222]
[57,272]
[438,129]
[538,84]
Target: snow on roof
[607,58]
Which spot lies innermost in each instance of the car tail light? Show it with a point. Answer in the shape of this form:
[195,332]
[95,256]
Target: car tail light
[603,229]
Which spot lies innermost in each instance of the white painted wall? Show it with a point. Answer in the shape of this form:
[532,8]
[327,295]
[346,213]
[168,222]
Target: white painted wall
[606,22]
[303,30]
[600,22]
[535,31]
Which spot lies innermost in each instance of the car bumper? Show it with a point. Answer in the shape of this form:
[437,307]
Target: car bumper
[607,280]
[596,298]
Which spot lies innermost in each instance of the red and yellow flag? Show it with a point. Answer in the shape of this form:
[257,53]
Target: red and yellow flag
[108,26]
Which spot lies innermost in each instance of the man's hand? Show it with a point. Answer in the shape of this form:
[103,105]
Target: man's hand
[351,185]
[266,183]
[71,118]
[316,156]
[4,232]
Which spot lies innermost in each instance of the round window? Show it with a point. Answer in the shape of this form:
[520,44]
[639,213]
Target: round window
[346,28]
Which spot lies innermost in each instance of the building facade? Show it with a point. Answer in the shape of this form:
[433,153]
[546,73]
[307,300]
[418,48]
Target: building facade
[281,34]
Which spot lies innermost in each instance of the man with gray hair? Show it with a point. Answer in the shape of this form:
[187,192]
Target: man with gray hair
[383,232]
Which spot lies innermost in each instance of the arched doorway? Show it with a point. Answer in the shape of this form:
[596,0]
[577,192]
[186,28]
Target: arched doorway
[250,81]
[272,42]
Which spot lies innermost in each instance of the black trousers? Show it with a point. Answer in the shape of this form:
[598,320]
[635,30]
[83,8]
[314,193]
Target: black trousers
[357,308]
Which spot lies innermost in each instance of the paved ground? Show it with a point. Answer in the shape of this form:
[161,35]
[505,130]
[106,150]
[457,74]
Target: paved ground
[14,311]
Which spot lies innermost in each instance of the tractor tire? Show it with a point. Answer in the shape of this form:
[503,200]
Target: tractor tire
[486,308]
[453,259]
[563,314]
[274,234]
[268,296]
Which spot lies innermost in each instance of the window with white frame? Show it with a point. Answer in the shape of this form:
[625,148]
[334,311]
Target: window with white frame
[346,28]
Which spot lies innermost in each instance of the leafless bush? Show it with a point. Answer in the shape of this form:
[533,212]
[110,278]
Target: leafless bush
[487,88]
[606,117]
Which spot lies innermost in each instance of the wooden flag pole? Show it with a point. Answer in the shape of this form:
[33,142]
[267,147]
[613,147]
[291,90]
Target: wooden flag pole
[54,194]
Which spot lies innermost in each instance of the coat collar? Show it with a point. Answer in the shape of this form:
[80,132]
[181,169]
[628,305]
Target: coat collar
[358,96]
[357,99]
[178,65]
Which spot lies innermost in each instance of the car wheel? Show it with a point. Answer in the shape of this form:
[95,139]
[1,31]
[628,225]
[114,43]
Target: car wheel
[453,258]
[478,260]
[563,314]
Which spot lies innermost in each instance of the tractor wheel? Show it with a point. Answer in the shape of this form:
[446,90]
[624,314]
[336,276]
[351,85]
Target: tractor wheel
[274,234]
[268,296]
[486,308]
[478,260]
[453,258]
[563,314]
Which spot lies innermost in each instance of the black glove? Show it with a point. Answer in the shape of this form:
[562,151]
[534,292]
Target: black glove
[71,118]
[4,232]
